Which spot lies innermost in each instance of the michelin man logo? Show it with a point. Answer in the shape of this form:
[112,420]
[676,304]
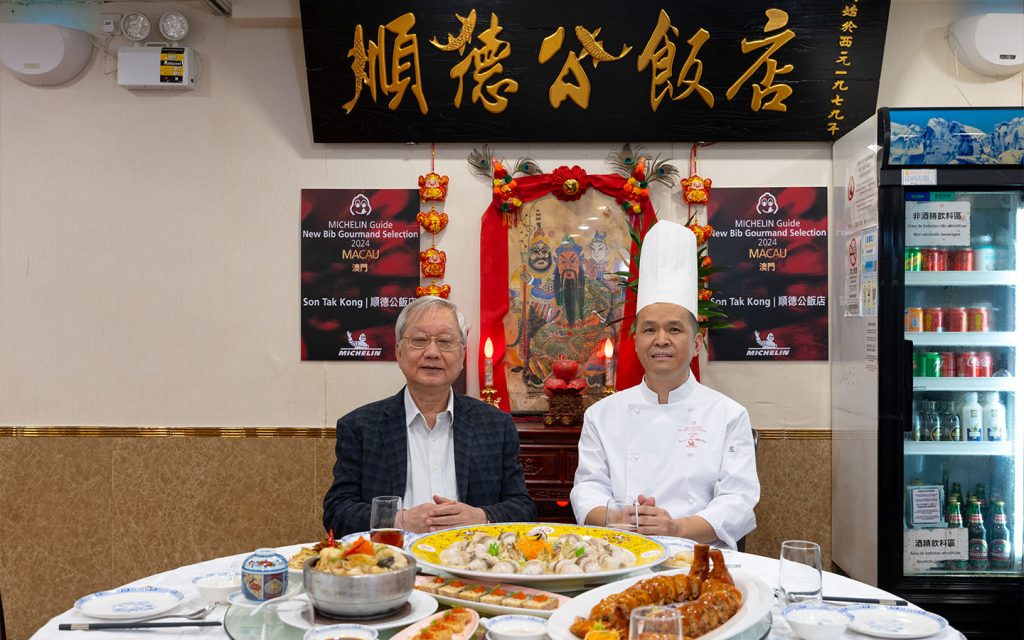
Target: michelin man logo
[766,346]
[360,347]
[766,204]
[360,206]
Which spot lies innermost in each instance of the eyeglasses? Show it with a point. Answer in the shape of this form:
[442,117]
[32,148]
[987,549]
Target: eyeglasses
[444,343]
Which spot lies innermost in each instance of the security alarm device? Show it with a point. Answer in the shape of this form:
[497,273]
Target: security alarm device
[161,67]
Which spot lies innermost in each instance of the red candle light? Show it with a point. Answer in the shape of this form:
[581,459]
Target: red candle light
[609,373]
[488,366]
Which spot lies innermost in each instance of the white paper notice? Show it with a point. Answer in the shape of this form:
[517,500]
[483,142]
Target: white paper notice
[861,208]
[871,344]
[852,288]
[926,505]
[925,177]
[938,224]
[925,548]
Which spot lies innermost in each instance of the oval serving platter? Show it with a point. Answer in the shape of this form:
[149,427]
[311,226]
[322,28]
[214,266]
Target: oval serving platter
[648,552]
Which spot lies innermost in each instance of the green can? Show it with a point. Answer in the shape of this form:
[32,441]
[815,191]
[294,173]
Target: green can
[931,364]
[912,259]
[918,364]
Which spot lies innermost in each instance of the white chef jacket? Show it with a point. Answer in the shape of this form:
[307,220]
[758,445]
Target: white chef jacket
[695,455]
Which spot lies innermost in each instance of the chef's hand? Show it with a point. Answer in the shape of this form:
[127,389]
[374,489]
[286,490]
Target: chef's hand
[448,513]
[415,519]
[653,521]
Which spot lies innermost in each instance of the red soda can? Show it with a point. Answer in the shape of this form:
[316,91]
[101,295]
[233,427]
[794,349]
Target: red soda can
[968,365]
[956,319]
[932,318]
[977,319]
[963,259]
[935,259]
[913,319]
[948,367]
[984,364]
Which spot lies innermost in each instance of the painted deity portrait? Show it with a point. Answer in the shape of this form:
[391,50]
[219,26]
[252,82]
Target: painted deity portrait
[563,298]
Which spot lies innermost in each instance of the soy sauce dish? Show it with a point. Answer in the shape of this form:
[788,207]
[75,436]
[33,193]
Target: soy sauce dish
[816,621]
[516,628]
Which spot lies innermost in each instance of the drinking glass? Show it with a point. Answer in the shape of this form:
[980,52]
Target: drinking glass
[386,521]
[621,514]
[800,570]
[655,623]
[288,619]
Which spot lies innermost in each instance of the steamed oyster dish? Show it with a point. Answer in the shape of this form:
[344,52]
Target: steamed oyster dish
[362,557]
[535,554]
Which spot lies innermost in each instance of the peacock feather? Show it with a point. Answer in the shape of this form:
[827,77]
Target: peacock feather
[659,170]
[480,162]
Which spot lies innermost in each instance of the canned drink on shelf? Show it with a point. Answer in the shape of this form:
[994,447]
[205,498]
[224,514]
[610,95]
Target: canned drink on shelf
[912,259]
[933,320]
[977,319]
[963,260]
[935,259]
[918,364]
[913,319]
[947,366]
[984,364]
[956,319]
[968,365]
[931,365]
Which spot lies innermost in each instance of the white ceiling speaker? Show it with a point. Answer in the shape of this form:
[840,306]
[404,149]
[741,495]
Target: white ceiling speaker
[44,54]
[991,44]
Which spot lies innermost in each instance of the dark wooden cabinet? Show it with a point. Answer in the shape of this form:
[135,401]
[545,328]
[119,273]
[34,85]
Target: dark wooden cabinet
[549,456]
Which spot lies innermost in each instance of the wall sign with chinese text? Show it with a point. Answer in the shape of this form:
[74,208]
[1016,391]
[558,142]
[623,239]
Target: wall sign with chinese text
[772,245]
[925,549]
[938,224]
[439,70]
[360,268]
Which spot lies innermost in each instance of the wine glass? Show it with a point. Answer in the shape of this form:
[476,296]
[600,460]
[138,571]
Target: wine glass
[621,514]
[386,521]
[655,623]
[800,570]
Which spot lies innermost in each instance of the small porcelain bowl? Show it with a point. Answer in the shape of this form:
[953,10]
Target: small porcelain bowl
[517,628]
[816,621]
[346,631]
[216,587]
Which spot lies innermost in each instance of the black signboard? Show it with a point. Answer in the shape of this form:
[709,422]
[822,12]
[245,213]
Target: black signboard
[591,70]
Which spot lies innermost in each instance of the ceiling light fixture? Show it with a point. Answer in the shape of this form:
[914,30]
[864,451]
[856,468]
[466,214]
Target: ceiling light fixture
[135,26]
[173,26]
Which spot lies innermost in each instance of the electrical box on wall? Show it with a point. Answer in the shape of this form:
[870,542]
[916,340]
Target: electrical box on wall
[156,68]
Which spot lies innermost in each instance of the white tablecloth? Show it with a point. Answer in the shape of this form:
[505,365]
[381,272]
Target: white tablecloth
[181,579]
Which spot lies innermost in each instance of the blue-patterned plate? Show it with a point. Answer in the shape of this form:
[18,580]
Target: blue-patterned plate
[894,622]
[129,603]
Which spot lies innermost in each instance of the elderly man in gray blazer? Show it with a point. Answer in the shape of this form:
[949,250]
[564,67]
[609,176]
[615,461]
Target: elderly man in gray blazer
[454,459]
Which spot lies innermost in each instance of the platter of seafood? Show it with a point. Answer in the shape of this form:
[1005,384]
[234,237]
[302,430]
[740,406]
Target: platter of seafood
[491,598]
[536,554]
[714,603]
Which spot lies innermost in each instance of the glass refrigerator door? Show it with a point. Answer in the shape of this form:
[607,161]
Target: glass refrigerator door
[965,316]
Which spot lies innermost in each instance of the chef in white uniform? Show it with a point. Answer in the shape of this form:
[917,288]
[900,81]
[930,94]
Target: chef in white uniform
[684,452]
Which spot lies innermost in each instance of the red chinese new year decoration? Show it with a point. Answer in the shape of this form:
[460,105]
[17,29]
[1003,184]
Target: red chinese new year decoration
[569,183]
[432,263]
[433,188]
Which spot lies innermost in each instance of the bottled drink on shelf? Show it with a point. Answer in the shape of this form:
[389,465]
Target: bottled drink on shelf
[970,420]
[977,319]
[947,364]
[1000,552]
[979,493]
[931,424]
[934,259]
[993,417]
[931,364]
[1004,251]
[984,254]
[933,318]
[913,319]
[956,319]
[955,520]
[977,543]
[915,424]
[962,260]
[950,421]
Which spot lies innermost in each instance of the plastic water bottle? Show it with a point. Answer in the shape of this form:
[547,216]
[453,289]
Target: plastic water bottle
[984,254]
[993,417]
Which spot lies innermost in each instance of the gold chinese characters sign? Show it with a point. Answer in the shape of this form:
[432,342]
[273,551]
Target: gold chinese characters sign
[436,70]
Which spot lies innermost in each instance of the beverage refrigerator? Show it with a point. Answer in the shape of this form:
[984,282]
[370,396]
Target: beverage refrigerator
[927,353]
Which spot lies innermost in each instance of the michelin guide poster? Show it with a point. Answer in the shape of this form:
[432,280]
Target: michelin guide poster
[360,268]
[772,246]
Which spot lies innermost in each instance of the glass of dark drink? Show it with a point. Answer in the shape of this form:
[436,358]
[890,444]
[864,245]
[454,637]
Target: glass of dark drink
[386,521]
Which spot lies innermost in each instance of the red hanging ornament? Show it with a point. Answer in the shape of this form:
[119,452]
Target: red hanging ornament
[433,187]
[569,184]
[433,222]
[696,190]
[432,263]
[433,289]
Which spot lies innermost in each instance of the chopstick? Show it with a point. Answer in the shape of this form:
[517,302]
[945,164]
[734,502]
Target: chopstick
[99,626]
[886,601]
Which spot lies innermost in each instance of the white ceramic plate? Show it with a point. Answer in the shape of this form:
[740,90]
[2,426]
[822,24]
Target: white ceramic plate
[894,622]
[497,609]
[423,604]
[408,634]
[129,603]
[758,599]
[673,546]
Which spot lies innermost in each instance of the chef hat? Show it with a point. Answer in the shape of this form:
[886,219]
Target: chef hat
[668,267]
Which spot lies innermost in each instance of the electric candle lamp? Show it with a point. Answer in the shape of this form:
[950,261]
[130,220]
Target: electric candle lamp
[488,365]
[609,373]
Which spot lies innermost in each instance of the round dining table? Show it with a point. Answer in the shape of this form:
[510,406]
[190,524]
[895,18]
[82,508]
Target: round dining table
[238,622]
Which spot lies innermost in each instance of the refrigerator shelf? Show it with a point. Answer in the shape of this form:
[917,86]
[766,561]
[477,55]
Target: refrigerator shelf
[964,338]
[961,278]
[912,447]
[1002,383]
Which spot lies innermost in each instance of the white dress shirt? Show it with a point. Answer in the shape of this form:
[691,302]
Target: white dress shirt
[430,464]
[695,455]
